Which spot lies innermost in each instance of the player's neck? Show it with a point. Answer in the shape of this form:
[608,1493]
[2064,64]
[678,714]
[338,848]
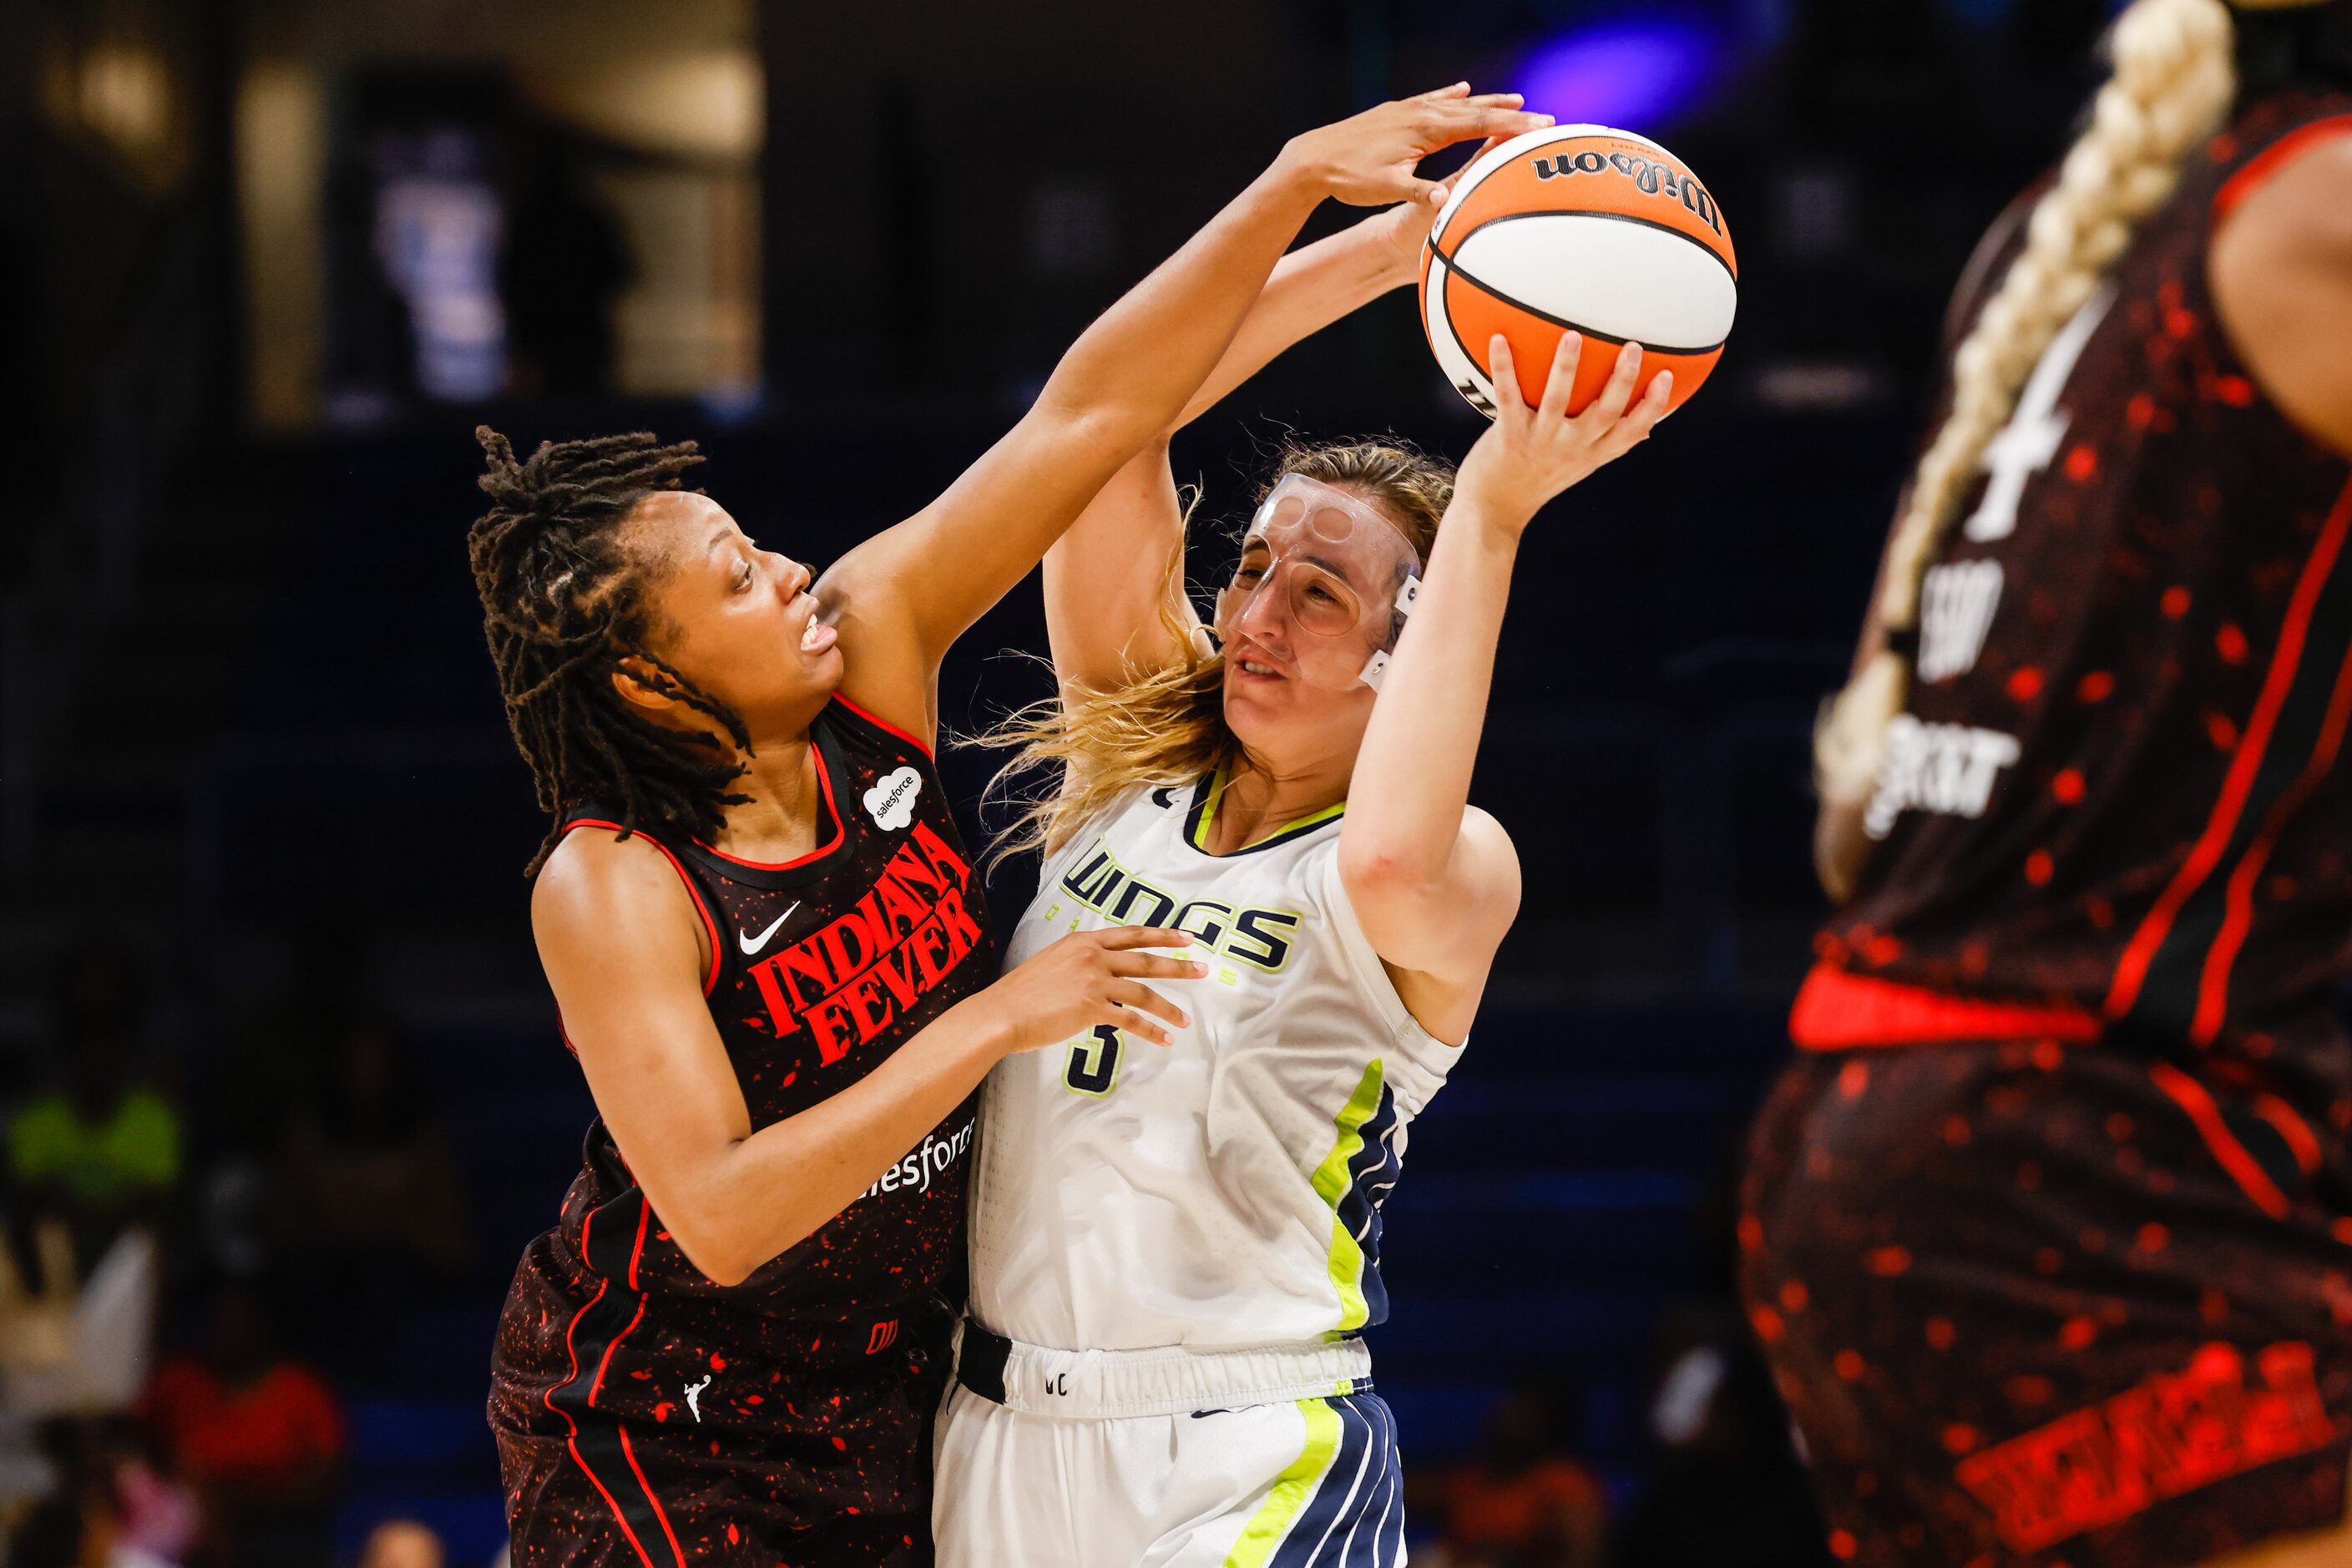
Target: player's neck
[784,817]
[1256,803]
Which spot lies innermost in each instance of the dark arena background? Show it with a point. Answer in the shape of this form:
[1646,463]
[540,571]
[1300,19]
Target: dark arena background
[265,264]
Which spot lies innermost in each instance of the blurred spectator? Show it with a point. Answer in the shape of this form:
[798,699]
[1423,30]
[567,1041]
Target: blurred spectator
[1726,1488]
[369,1165]
[401,1543]
[259,1435]
[370,1213]
[109,1508]
[98,1144]
[270,1062]
[1526,1501]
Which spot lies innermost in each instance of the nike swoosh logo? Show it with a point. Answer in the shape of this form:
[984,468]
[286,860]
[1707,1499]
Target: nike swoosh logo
[752,944]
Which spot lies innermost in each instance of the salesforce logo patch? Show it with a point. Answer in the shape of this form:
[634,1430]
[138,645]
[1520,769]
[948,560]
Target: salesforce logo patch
[891,802]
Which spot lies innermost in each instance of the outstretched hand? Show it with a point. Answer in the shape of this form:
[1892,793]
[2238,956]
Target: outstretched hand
[1370,159]
[1532,454]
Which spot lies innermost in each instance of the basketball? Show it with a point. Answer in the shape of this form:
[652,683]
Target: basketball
[1583,228]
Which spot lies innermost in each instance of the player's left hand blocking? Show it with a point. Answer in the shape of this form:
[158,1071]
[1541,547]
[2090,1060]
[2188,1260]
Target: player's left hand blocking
[1532,454]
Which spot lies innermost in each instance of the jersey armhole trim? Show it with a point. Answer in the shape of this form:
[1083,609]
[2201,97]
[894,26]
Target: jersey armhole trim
[885,726]
[710,980]
[2267,165]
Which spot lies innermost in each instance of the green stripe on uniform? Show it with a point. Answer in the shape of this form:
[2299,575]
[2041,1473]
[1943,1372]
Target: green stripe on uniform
[1296,1483]
[1347,1264]
[1215,787]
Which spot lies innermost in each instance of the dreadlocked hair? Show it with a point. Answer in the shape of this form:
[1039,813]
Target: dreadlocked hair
[1168,725]
[562,605]
[2172,86]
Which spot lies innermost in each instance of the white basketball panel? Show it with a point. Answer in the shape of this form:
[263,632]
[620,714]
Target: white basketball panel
[1608,275]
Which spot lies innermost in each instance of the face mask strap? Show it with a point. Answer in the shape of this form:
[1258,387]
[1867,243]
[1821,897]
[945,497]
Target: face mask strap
[1376,669]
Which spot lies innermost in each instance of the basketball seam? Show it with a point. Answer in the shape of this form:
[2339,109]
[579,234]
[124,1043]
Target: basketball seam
[1475,281]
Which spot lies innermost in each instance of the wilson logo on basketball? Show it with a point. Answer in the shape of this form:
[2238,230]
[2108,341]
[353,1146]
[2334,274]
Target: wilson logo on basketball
[1651,179]
[849,981]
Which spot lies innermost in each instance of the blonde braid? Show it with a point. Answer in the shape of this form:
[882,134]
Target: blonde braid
[2172,85]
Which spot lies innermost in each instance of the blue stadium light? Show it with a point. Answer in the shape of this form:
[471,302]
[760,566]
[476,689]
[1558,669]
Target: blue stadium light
[1635,73]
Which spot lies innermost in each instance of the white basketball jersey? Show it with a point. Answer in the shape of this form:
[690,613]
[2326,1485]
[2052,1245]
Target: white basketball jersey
[1225,1190]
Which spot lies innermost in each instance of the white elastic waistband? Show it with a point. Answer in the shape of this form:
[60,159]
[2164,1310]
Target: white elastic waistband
[1109,1384]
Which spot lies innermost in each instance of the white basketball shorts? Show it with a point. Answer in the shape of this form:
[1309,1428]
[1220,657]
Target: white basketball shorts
[1030,1471]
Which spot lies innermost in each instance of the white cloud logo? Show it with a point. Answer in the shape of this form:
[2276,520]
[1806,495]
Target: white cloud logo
[891,802]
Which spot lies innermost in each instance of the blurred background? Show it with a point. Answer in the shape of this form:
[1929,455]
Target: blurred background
[267,989]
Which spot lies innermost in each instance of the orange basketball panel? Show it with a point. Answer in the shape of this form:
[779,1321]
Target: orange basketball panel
[1473,315]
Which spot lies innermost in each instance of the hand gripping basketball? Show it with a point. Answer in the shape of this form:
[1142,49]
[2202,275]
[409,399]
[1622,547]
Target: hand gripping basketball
[1369,160]
[1530,455]
[1087,979]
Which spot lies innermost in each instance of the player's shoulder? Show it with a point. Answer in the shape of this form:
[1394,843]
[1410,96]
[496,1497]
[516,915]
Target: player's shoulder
[601,878]
[2297,195]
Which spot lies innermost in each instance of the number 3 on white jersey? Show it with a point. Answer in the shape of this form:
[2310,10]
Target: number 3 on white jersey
[1093,1062]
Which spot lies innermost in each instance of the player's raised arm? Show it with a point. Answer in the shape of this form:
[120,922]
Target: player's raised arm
[1115,604]
[1434,883]
[902,598]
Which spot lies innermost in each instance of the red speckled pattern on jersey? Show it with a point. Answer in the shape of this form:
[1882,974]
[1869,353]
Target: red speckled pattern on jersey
[646,1415]
[2069,1281]
[2130,798]
[2033,1305]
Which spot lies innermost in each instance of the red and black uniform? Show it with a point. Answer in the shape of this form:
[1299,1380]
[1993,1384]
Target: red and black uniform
[649,1418]
[2070,1280]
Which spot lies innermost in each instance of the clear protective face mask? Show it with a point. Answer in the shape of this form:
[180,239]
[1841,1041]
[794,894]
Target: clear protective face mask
[1331,564]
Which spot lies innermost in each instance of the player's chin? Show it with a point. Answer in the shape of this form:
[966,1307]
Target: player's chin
[1258,712]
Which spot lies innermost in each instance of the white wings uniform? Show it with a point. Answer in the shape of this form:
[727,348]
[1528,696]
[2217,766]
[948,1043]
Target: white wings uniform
[1162,1231]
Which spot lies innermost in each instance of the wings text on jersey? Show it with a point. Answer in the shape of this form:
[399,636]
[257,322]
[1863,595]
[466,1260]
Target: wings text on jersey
[1257,936]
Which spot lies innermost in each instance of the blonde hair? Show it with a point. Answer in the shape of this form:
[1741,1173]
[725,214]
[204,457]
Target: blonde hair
[2171,87]
[1168,725]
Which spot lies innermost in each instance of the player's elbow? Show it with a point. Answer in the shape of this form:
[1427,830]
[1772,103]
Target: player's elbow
[1386,872]
[726,1238]
[1097,420]
[717,1254]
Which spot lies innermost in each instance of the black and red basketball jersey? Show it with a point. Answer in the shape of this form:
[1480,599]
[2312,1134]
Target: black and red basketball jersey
[812,1381]
[2116,793]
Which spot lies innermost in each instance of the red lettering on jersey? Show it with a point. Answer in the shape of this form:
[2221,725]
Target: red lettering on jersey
[802,961]
[932,952]
[854,977]
[872,1005]
[903,908]
[832,1028]
[895,971]
[851,941]
[907,863]
[2174,1433]
[941,855]
[951,909]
